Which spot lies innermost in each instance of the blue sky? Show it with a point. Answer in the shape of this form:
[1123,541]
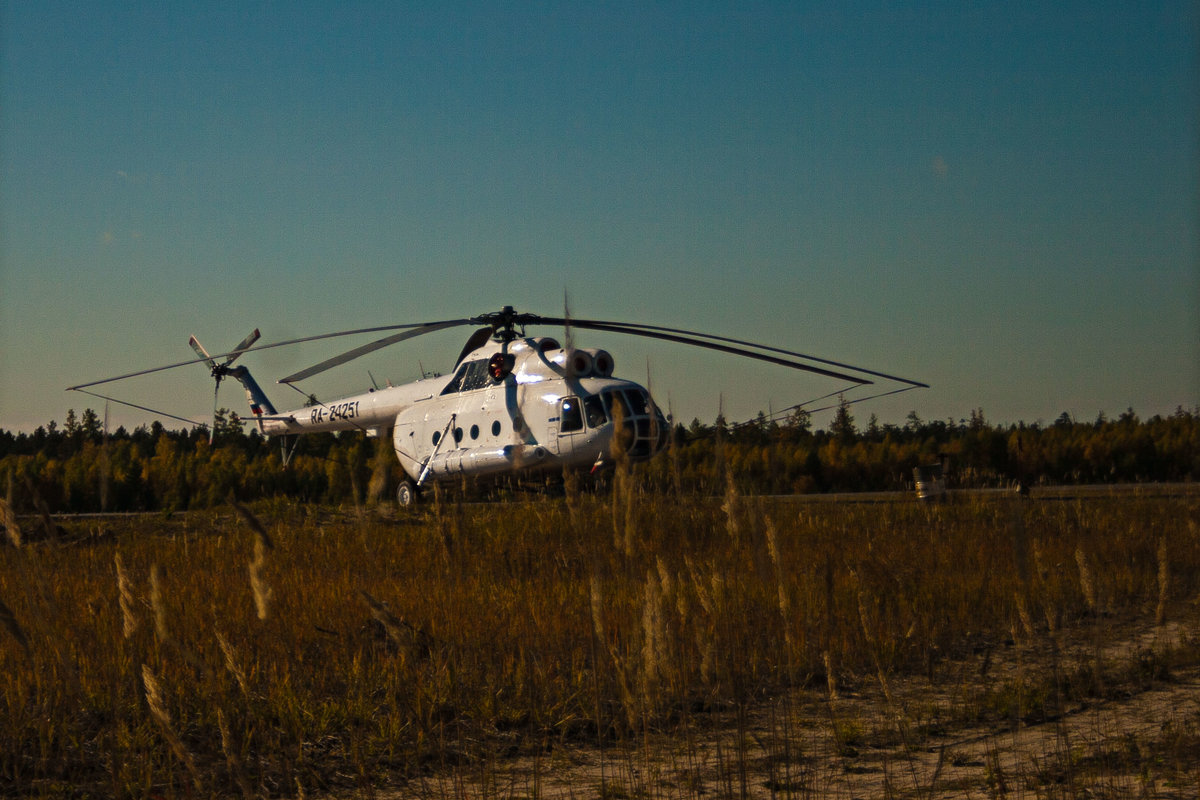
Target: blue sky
[998,200]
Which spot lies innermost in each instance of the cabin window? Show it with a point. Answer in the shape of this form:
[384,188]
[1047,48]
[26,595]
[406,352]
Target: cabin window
[496,428]
[571,415]
[457,435]
[474,431]
[437,437]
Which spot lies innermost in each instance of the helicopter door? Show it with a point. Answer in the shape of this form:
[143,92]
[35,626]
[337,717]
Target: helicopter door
[570,424]
[406,446]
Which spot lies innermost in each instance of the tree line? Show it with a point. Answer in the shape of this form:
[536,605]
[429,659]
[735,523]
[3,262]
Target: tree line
[79,467]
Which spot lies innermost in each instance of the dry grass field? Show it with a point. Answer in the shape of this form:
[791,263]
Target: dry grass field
[621,646]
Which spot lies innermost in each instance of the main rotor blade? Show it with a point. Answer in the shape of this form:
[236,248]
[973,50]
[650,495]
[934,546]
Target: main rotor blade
[690,339]
[370,347]
[191,422]
[284,343]
[639,329]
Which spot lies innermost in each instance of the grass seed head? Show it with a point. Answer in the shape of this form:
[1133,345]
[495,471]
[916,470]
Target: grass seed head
[154,696]
[231,663]
[8,519]
[597,603]
[157,604]
[258,584]
[129,623]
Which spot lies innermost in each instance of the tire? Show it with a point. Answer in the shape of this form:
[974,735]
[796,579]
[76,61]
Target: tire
[406,494]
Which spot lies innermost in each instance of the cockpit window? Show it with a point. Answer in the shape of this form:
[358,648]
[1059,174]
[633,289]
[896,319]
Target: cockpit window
[638,401]
[593,409]
[615,397]
[571,416]
[471,375]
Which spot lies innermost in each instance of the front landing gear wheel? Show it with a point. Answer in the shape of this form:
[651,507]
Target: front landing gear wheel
[406,494]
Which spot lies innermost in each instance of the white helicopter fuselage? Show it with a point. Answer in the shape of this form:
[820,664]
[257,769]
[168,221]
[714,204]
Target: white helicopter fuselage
[513,403]
[544,409]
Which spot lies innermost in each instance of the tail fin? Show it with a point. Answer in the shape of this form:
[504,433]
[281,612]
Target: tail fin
[259,404]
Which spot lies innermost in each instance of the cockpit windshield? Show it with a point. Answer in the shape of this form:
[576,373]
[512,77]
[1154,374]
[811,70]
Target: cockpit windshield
[644,427]
[471,375]
[638,402]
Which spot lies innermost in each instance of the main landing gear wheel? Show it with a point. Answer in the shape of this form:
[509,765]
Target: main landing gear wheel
[406,494]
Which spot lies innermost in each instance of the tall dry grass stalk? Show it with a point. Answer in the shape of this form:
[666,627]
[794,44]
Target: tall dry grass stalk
[1021,559]
[673,453]
[785,602]
[9,621]
[232,665]
[258,584]
[830,677]
[873,644]
[411,641]
[1164,581]
[229,748]
[129,623]
[655,647]
[260,532]
[631,701]
[43,510]
[391,624]
[8,518]
[571,497]
[1053,611]
[1086,582]
[262,545]
[624,487]
[709,593]
[732,508]
[157,605]
[381,469]
[158,710]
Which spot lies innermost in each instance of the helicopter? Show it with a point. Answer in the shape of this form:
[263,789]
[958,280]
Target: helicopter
[512,403]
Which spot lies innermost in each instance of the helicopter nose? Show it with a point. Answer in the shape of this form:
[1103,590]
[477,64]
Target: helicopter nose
[640,438]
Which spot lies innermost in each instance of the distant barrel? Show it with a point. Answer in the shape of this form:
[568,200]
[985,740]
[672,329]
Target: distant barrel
[930,480]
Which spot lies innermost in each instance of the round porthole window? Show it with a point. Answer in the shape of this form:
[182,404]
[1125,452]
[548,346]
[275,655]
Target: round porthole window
[496,428]
[437,437]
[458,434]
[474,431]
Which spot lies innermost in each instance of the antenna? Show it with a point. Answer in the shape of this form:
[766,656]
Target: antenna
[104,463]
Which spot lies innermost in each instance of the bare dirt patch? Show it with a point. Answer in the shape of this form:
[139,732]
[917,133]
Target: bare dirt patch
[1106,709]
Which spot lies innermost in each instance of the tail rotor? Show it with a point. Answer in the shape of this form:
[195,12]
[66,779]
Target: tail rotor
[219,371]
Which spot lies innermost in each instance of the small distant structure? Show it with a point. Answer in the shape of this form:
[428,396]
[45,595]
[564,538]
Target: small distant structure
[930,480]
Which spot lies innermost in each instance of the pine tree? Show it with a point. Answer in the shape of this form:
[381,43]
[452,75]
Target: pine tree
[842,426]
